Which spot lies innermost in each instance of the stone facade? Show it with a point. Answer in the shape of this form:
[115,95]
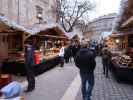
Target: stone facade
[24,12]
[99,25]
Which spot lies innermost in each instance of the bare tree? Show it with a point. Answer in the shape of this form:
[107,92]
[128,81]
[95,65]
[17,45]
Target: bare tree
[70,11]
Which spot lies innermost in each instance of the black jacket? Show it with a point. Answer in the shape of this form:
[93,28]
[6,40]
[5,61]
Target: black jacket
[75,49]
[85,60]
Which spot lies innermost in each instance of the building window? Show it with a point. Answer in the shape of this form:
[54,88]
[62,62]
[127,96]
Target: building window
[39,13]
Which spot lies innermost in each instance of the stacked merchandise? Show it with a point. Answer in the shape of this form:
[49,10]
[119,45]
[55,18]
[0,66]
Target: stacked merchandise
[125,60]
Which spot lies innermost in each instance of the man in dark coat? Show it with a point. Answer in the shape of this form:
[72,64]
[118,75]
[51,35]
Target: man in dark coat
[75,49]
[29,62]
[85,61]
[68,54]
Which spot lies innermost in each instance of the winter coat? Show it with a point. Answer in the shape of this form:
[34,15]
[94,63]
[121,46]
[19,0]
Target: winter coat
[106,54]
[85,60]
[68,52]
[75,49]
[29,55]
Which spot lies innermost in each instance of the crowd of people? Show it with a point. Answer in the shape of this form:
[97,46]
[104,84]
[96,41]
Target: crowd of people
[84,55]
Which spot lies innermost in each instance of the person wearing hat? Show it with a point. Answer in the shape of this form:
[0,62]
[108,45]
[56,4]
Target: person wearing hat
[85,61]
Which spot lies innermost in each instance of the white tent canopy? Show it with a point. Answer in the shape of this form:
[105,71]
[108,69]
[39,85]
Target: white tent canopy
[105,34]
[7,24]
[70,35]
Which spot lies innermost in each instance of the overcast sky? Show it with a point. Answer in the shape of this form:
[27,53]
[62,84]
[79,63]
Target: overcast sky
[106,6]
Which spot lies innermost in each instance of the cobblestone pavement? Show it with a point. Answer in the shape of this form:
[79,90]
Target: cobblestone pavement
[108,88]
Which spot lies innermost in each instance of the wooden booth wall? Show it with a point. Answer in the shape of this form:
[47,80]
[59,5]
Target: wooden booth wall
[12,40]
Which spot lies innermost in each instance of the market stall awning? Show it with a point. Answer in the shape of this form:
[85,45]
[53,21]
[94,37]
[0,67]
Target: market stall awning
[48,29]
[7,26]
[10,26]
[127,22]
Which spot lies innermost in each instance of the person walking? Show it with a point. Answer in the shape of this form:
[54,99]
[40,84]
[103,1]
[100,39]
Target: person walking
[85,61]
[29,66]
[106,58]
[68,54]
[61,55]
[75,49]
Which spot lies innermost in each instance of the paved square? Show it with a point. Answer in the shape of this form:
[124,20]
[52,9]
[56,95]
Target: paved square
[108,88]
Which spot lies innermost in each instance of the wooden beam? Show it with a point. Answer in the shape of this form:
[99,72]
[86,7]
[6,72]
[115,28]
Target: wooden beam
[27,36]
[52,36]
[127,22]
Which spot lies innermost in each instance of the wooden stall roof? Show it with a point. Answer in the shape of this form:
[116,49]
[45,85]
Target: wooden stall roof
[7,26]
[55,31]
[126,19]
[128,22]
[49,30]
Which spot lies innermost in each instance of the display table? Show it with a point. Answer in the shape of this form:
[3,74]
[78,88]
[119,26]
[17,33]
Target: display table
[16,67]
[122,73]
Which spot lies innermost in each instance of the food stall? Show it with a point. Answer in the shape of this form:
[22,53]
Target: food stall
[48,42]
[12,38]
[122,57]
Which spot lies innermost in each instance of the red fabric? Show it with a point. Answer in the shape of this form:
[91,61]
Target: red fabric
[4,80]
[37,58]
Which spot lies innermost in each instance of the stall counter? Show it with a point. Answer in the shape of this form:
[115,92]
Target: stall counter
[17,67]
[122,73]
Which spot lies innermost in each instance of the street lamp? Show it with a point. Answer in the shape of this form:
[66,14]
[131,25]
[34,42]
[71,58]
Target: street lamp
[39,16]
[117,41]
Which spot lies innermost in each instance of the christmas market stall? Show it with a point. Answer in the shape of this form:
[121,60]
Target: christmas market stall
[48,41]
[12,38]
[122,56]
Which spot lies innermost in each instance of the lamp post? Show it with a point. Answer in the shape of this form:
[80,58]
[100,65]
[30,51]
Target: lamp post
[18,13]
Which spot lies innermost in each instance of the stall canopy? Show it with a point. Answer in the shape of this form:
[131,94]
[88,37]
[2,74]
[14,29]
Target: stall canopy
[10,26]
[48,30]
[106,34]
[7,26]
